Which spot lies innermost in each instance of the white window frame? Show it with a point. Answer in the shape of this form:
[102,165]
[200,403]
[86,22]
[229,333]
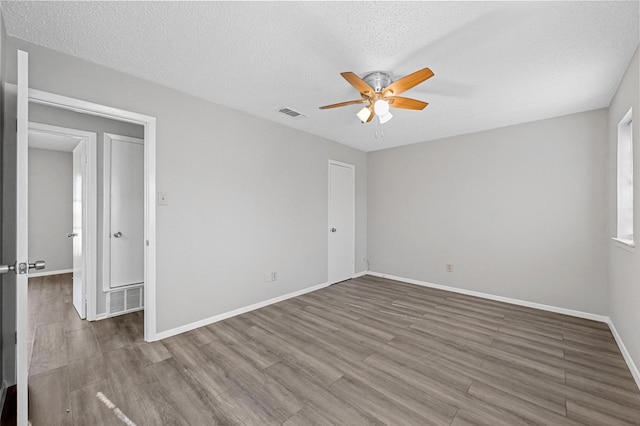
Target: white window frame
[624,183]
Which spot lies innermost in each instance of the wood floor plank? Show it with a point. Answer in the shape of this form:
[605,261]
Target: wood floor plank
[319,397]
[189,398]
[86,371]
[49,398]
[49,349]
[586,415]
[87,409]
[530,412]
[81,343]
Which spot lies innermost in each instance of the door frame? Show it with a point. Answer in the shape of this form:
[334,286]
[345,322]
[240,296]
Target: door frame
[353,214]
[149,125]
[106,206]
[90,207]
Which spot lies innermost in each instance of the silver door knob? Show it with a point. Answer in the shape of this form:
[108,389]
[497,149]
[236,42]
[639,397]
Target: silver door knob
[21,268]
[37,265]
[72,234]
[333,229]
[117,234]
[6,268]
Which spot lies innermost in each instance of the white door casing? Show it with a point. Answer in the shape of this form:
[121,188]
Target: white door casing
[149,124]
[341,221]
[78,234]
[123,211]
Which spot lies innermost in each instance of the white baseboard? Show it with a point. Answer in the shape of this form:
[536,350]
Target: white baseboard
[224,316]
[625,353]
[570,312]
[361,274]
[46,273]
[100,317]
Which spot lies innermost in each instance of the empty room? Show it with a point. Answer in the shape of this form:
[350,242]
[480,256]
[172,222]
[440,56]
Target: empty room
[317,213]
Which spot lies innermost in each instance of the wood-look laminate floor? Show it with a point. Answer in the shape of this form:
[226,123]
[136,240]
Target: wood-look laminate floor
[365,351]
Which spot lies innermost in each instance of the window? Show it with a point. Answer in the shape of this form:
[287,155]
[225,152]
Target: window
[625,181]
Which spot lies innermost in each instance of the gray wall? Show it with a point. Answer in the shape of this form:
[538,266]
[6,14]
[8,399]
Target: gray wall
[519,211]
[98,125]
[50,208]
[246,195]
[624,266]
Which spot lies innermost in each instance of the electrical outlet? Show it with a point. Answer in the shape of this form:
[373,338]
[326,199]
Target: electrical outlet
[274,276]
[267,277]
[449,267]
[163,198]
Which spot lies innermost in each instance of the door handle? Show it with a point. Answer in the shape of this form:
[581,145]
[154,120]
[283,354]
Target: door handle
[37,265]
[117,234]
[333,229]
[22,267]
[6,268]
[72,234]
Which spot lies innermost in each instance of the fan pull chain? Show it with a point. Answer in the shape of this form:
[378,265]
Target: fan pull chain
[381,129]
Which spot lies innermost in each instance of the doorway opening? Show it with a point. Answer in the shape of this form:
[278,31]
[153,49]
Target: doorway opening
[63,208]
[91,110]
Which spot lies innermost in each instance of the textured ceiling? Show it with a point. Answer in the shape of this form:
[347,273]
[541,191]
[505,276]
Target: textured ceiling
[495,63]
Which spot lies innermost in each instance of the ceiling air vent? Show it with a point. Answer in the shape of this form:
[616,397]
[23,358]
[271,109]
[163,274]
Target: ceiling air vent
[291,113]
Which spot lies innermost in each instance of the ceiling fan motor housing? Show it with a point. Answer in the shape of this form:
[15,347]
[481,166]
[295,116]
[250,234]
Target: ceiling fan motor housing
[378,80]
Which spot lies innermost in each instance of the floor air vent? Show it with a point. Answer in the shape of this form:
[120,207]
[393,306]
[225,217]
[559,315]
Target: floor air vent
[291,113]
[125,300]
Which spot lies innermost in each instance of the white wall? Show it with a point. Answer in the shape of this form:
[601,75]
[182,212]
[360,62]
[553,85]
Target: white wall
[246,196]
[519,211]
[50,208]
[624,266]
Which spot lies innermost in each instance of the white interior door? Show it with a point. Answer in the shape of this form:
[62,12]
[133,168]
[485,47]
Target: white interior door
[341,221]
[21,243]
[79,224]
[126,236]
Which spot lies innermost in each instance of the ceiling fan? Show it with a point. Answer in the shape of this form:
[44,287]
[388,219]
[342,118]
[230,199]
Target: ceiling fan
[378,89]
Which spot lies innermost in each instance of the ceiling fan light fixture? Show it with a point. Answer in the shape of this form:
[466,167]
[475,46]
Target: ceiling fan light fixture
[364,114]
[385,117]
[381,107]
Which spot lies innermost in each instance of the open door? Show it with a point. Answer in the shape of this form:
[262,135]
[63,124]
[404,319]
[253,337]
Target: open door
[14,233]
[22,251]
[79,224]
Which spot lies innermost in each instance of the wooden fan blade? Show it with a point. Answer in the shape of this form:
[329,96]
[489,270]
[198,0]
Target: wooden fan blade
[341,104]
[405,103]
[407,82]
[358,83]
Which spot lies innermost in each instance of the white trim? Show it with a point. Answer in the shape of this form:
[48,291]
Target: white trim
[48,273]
[106,204]
[627,245]
[549,308]
[353,208]
[360,274]
[224,316]
[149,123]
[100,317]
[625,353]
[91,231]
